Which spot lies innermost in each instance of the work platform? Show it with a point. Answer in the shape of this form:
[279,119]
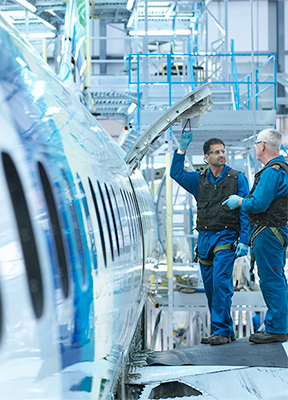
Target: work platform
[192,310]
[238,370]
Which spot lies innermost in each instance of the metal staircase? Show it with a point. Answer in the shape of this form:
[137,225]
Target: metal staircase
[223,98]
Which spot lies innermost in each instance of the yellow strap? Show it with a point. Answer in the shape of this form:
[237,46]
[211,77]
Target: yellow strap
[258,230]
[273,229]
[255,233]
[222,247]
[218,248]
[278,235]
[206,262]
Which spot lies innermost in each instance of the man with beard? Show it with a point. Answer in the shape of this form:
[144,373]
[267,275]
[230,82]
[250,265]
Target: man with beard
[222,235]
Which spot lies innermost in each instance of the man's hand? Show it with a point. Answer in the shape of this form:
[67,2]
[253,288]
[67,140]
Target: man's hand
[232,201]
[241,250]
[185,139]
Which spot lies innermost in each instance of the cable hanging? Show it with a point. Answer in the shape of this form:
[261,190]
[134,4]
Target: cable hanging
[253,85]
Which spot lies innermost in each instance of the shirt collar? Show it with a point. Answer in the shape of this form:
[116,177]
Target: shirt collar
[223,173]
[278,158]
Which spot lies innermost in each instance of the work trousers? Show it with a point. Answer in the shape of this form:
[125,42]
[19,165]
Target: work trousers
[218,278]
[270,258]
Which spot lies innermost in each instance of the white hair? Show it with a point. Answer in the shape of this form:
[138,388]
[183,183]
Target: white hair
[271,137]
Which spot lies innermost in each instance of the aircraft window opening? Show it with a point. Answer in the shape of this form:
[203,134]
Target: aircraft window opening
[135,214]
[107,220]
[99,223]
[113,218]
[76,226]
[56,230]
[119,217]
[126,213]
[1,316]
[130,213]
[88,220]
[137,208]
[26,234]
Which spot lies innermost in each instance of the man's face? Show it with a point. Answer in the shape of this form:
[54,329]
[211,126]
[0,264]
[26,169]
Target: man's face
[259,144]
[216,155]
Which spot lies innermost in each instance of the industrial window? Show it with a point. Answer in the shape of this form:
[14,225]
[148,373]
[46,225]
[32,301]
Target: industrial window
[113,218]
[119,217]
[26,234]
[99,223]
[76,226]
[56,230]
[126,213]
[130,213]
[107,220]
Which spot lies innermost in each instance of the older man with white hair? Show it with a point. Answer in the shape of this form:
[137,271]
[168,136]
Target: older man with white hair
[267,208]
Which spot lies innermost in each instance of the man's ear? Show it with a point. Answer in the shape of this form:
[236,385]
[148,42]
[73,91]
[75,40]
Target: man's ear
[206,157]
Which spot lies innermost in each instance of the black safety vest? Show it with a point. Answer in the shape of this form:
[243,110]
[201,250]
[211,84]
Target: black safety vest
[277,213]
[210,212]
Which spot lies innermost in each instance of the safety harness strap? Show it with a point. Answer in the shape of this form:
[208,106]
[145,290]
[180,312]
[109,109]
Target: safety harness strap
[206,262]
[215,250]
[279,236]
[255,233]
[223,247]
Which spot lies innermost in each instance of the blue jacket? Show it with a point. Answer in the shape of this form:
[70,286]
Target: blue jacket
[190,182]
[272,184]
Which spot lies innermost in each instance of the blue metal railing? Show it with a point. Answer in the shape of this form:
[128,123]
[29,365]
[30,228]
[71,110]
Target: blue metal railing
[235,76]
[247,80]
[242,88]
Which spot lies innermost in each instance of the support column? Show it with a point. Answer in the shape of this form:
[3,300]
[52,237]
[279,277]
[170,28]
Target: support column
[103,47]
[226,39]
[146,59]
[169,217]
[276,40]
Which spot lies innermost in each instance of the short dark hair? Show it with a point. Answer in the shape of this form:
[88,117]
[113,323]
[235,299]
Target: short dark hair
[208,143]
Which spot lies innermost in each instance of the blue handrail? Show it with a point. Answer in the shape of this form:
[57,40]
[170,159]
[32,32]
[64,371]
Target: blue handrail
[235,76]
[248,77]
[189,79]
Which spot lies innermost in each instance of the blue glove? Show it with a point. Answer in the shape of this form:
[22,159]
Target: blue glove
[232,201]
[241,250]
[185,139]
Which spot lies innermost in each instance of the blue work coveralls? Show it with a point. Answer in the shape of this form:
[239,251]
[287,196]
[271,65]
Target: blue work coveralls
[269,252]
[217,278]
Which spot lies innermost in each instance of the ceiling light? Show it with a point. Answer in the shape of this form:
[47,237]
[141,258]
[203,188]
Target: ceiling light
[21,62]
[130,21]
[51,12]
[163,32]
[130,4]
[7,18]
[138,33]
[39,35]
[183,31]
[47,24]
[169,11]
[131,108]
[27,5]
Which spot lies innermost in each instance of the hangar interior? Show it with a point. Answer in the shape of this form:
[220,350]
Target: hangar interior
[141,57]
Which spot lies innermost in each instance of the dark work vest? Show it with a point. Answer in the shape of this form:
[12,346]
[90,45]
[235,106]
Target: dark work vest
[210,212]
[277,213]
